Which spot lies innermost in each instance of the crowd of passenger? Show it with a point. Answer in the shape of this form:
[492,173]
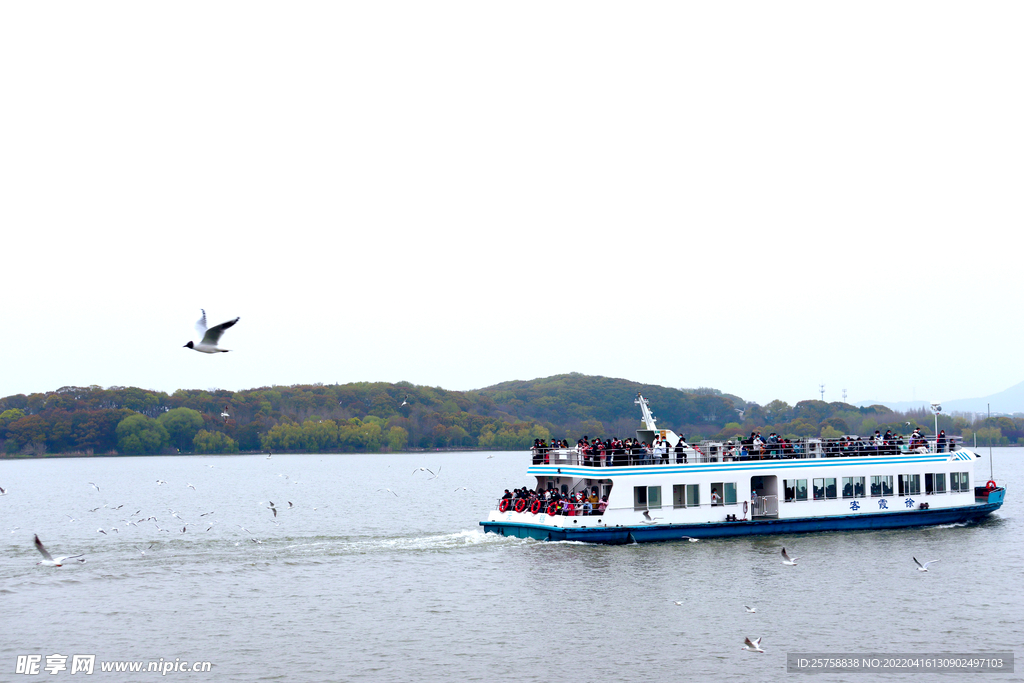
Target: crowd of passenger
[554,501]
[617,453]
[613,452]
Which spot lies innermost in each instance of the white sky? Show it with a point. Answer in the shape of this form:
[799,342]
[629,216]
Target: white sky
[751,196]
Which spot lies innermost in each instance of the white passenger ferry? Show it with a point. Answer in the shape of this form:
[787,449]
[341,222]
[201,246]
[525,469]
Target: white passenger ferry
[725,489]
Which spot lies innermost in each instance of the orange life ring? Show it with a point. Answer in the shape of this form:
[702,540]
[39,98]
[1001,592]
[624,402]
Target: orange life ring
[552,508]
[520,505]
[535,506]
[503,505]
[991,485]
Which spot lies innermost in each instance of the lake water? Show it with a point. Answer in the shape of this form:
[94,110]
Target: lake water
[354,583]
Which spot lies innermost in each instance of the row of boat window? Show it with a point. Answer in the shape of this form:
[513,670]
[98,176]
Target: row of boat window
[724,492]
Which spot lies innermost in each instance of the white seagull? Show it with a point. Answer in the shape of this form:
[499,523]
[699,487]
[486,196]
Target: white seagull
[427,469]
[101,531]
[648,518]
[750,610]
[271,506]
[210,336]
[94,486]
[787,560]
[50,561]
[752,645]
[678,602]
[190,486]
[3,491]
[691,539]
[923,567]
[395,494]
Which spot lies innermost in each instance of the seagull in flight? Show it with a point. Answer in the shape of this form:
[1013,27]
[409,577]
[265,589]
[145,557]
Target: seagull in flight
[210,336]
[53,562]
[190,486]
[679,602]
[923,567]
[3,491]
[752,645]
[691,539]
[648,518]
[94,486]
[392,492]
[271,506]
[426,469]
[788,561]
[750,610]
[405,401]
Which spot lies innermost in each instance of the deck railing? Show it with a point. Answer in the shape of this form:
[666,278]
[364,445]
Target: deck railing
[718,452]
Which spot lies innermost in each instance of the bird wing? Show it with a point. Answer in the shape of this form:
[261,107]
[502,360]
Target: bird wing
[930,562]
[917,563]
[749,643]
[757,643]
[201,323]
[41,549]
[213,334]
[785,556]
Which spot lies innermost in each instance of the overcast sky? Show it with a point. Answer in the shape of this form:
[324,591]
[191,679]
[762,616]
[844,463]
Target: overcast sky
[756,197]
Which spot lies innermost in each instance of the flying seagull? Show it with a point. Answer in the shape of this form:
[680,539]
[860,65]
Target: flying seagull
[271,506]
[94,486]
[426,469]
[923,567]
[752,645]
[210,336]
[3,491]
[648,518]
[750,610]
[787,560]
[390,491]
[691,539]
[50,561]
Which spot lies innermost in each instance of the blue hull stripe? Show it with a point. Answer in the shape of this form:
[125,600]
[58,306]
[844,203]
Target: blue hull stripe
[666,532]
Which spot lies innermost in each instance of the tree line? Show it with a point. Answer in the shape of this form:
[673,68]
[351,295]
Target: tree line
[381,417]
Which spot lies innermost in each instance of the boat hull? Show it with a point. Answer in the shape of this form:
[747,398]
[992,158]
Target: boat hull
[643,533]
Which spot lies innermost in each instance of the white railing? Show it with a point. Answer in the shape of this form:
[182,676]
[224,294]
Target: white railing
[764,506]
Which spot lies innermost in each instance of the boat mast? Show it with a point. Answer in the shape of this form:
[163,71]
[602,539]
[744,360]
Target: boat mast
[647,417]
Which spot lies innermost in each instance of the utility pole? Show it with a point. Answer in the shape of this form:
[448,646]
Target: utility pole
[821,388]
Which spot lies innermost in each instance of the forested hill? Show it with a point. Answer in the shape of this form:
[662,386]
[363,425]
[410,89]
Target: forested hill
[379,417]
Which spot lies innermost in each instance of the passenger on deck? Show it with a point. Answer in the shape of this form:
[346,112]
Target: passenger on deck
[681,447]
[940,442]
[602,506]
[715,498]
[659,452]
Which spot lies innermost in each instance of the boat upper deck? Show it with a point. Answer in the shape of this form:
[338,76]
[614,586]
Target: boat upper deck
[716,451]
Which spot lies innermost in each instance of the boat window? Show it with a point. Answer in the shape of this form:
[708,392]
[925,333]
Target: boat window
[909,484]
[646,497]
[825,488]
[929,483]
[726,491]
[693,495]
[796,489]
[940,482]
[853,487]
[819,489]
[679,495]
[959,481]
[881,485]
[729,492]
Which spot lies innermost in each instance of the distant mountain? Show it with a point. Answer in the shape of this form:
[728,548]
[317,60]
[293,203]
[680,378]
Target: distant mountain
[1005,402]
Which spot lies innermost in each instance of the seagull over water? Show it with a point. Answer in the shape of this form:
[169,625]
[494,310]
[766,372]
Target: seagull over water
[94,486]
[787,560]
[923,567]
[427,469]
[750,610]
[49,561]
[210,336]
[752,645]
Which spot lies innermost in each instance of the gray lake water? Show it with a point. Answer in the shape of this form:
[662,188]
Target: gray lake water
[354,583]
